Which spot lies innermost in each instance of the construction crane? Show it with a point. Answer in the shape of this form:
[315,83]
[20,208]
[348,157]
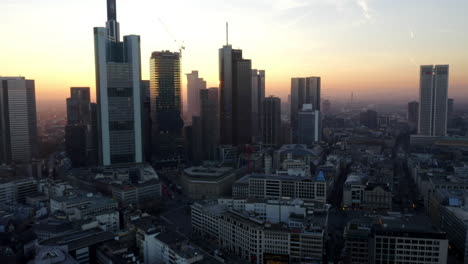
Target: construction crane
[180,45]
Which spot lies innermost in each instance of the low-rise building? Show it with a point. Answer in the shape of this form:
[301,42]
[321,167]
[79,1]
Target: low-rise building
[257,230]
[207,182]
[312,188]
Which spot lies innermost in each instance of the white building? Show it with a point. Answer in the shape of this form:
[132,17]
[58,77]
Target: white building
[170,248]
[433,95]
[255,230]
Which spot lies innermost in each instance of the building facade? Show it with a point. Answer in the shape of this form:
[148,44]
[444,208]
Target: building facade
[18,121]
[303,91]
[433,95]
[118,80]
[271,121]
[413,114]
[210,122]
[194,86]
[258,95]
[166,105]
[235,99]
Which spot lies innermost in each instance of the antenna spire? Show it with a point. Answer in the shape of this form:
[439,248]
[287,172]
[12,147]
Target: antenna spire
[227,33]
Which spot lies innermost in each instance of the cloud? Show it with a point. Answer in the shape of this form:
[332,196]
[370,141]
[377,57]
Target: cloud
[283,5]
[365,8]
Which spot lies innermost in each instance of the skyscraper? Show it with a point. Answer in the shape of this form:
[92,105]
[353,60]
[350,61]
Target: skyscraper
[303,91]
[258,95]
[194,85]
[166,105]
[209,122]
[272,121]
[413,114]
[235,75]
[146,119]
[368,119]
[450,104]
[78,129]
[309,128]
[433,92]
[18,123]
[118,80]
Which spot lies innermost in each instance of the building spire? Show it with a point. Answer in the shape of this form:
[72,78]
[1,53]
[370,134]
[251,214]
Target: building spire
[111,10]
[227,34]
[112,25]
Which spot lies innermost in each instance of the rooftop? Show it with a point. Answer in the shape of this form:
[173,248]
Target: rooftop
[80,239]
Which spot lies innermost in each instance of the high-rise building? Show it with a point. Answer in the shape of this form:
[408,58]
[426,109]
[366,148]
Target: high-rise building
[166,105]
[146,119]
[368,119]
[413,113]
[450,103]
[209,122]
[303,91]
[194,85]
[272,121]
[258,95]
[309,128]
[18,123]
[433,92]
[78,128]
[326,107]
[235,75]
[118,86]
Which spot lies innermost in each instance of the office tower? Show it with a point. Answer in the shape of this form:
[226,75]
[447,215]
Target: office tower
[272,121]
[210,122]
[196,145]
[433,92]
[194,85]
[303,91]
[326,107]
[18,123]
[118,86]
[309,125]
[258,95]
[166,105]
[235,100]
[413,114]
[78,128]
[146,119]
[368,119]
[450,103]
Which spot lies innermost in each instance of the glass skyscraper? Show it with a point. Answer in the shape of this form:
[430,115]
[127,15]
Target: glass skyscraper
[118,80]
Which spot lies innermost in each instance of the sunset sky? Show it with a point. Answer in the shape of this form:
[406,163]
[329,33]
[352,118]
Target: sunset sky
[371,47]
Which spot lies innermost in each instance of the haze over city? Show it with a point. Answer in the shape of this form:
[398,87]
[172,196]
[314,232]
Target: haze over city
[372,48]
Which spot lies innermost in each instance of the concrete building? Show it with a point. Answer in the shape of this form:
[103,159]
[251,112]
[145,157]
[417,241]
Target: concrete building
[433,93]
[377,197]
[80,206]
[259,230]
[167,247]
[402,242]
[18,121]
[309,126]
[281,186]
[81,245]
[194,86]
[303,91]
[118,86]
[258,95]
[207,182]
[271,121]
[166,105]
[235,99]
[353,190]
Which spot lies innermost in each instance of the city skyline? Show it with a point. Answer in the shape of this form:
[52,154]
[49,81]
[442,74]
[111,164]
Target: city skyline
[380,39]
